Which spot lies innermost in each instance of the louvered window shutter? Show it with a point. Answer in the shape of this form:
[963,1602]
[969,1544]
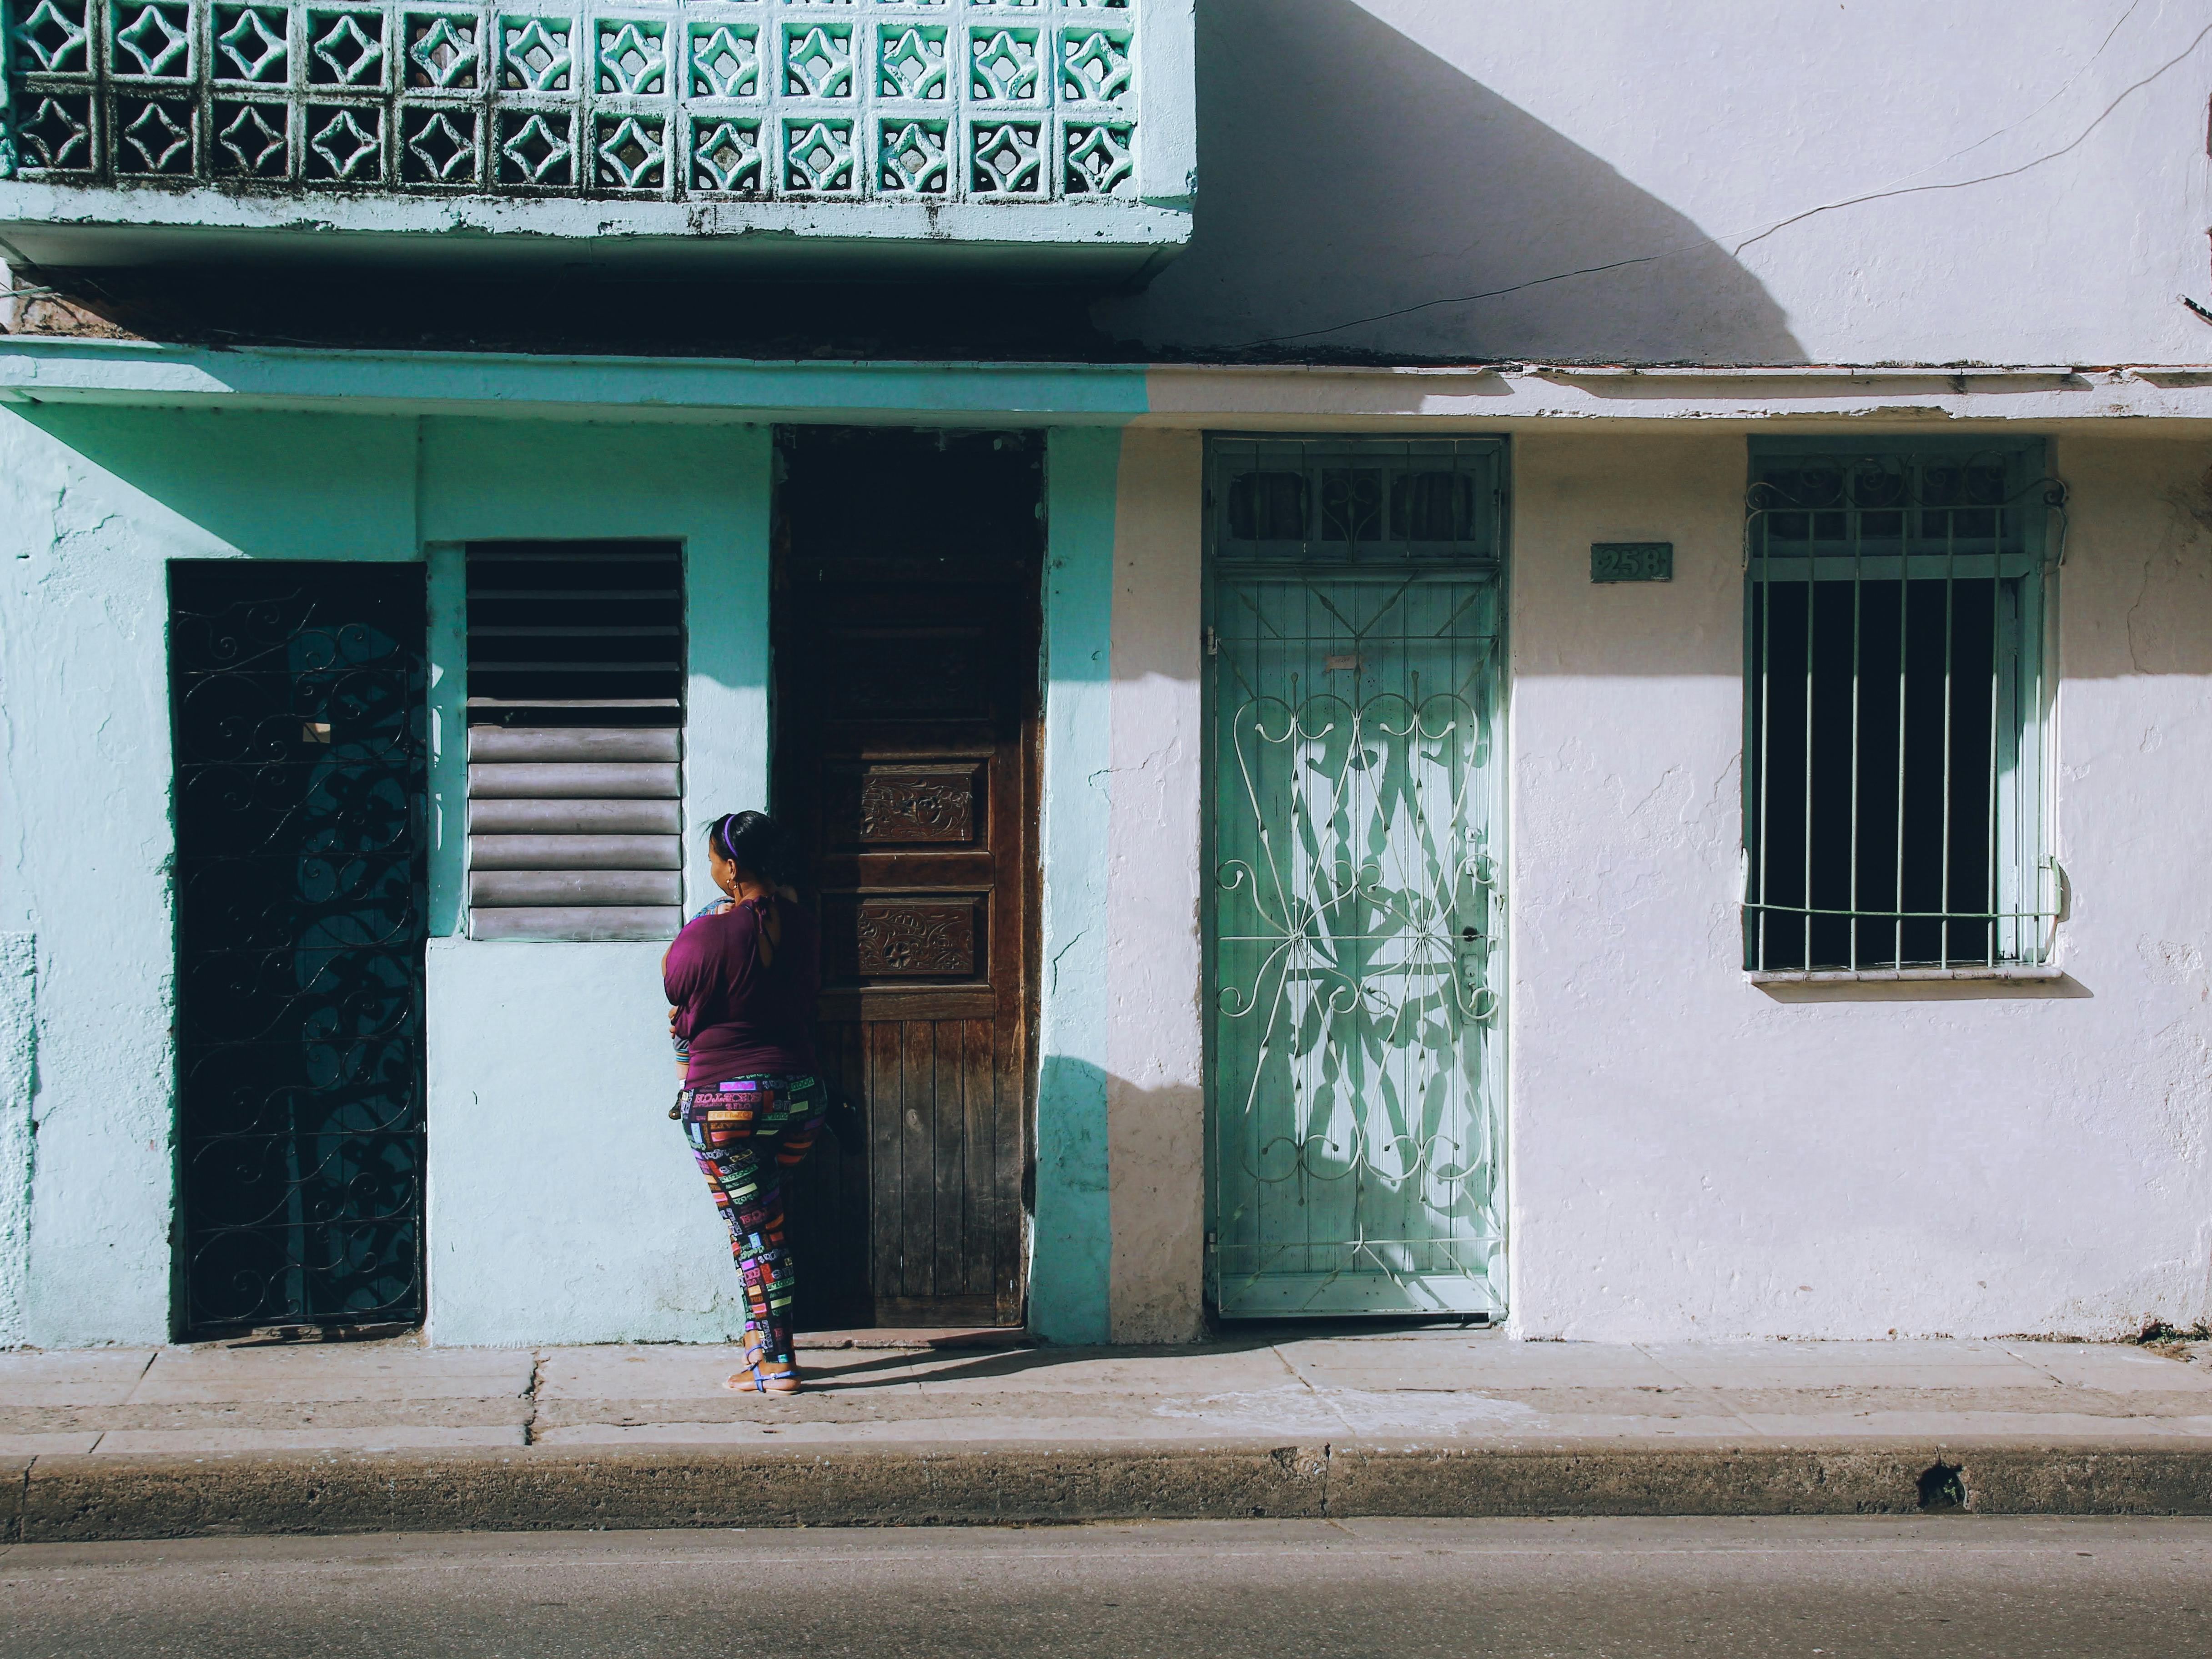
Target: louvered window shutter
[575,702]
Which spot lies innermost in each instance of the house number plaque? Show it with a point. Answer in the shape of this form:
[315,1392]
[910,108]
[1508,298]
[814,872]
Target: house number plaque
[1632,562]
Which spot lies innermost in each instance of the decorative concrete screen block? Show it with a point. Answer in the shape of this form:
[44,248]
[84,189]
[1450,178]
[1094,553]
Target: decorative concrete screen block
[1042,123]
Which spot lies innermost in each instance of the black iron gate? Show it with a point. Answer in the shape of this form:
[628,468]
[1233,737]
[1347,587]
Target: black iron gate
[297,693]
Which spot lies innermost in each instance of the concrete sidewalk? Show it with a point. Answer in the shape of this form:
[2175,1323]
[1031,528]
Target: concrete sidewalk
[166,1442]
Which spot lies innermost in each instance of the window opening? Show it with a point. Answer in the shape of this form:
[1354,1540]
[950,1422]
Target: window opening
[1379,501]
[1894,813]
[575,708]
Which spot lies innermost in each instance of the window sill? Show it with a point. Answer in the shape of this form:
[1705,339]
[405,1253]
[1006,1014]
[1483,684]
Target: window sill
[2005,972]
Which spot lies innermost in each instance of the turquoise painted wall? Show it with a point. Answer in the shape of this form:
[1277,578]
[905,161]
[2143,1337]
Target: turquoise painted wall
[447,643]
[97,501]
[1071,1241]
[562,1206]
[19,1058]
[706,486]
[93,504]
[647,390]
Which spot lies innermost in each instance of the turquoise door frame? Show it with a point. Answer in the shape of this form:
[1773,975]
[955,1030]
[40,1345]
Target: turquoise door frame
[1354,934]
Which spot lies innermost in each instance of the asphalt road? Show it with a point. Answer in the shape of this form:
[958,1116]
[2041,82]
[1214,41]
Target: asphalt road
[1404,1589]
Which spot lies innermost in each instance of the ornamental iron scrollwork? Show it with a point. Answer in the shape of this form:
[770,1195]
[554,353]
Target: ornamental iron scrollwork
[1356,916]
[301,755]
[974,99]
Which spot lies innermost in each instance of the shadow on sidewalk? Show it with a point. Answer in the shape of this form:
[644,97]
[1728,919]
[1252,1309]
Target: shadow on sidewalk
[1242,1339]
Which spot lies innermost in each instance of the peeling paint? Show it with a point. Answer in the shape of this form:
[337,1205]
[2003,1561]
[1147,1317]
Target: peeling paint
[18,1126]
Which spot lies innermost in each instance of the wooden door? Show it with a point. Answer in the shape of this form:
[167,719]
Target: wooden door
[906,638]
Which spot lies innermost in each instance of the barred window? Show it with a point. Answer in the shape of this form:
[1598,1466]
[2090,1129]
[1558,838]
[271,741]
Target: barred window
[1894,775]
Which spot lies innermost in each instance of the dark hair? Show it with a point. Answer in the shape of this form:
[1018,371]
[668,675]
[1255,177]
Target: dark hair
[755,842]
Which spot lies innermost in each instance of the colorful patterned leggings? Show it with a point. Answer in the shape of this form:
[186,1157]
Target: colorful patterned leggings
[744,1135]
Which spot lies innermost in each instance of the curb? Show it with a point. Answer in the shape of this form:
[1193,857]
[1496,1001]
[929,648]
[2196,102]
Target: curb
[88,1499]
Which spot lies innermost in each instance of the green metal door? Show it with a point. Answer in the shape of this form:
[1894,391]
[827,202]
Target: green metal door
[1355,959]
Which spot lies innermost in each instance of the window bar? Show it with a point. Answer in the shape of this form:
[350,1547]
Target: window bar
[1765,713]
[2046,832]
[1858,571]
[1996,684]
[1805,891]
[2038,871]
[2012,859]
[2031,794]
[2029,874]
[1903,696]
[1950,631]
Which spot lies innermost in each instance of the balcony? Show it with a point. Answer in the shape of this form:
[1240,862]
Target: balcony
[1044,135]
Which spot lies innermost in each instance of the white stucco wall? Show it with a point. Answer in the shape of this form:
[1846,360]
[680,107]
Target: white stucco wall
[1884,180]
[1155,1040]
[1693,1156]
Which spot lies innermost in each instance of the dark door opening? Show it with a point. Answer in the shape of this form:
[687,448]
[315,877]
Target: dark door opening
[906,634]
[297,707]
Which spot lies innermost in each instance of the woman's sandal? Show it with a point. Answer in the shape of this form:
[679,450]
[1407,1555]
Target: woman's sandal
[753,1380]
[756,1380]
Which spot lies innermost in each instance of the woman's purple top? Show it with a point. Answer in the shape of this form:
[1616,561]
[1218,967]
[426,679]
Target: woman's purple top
[743,1019]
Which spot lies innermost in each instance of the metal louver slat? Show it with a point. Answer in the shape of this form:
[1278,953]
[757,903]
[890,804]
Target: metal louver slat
[573,853]
[606,779]
[576,817]
[509,888]
[575,747]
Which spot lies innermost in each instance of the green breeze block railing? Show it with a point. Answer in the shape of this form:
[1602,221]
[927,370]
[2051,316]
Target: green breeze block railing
[926,102]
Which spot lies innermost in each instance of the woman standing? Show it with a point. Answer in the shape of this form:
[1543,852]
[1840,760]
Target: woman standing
[743,981]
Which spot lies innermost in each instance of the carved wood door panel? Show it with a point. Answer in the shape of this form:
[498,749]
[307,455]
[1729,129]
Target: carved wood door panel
[906,745]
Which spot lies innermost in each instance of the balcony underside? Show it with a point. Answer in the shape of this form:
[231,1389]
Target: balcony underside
[57,225]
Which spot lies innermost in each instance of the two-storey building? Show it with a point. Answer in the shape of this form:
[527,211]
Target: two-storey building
[1576,697]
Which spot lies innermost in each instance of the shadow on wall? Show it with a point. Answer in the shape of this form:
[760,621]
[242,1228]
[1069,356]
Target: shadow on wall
[1345,172]
[267,483]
